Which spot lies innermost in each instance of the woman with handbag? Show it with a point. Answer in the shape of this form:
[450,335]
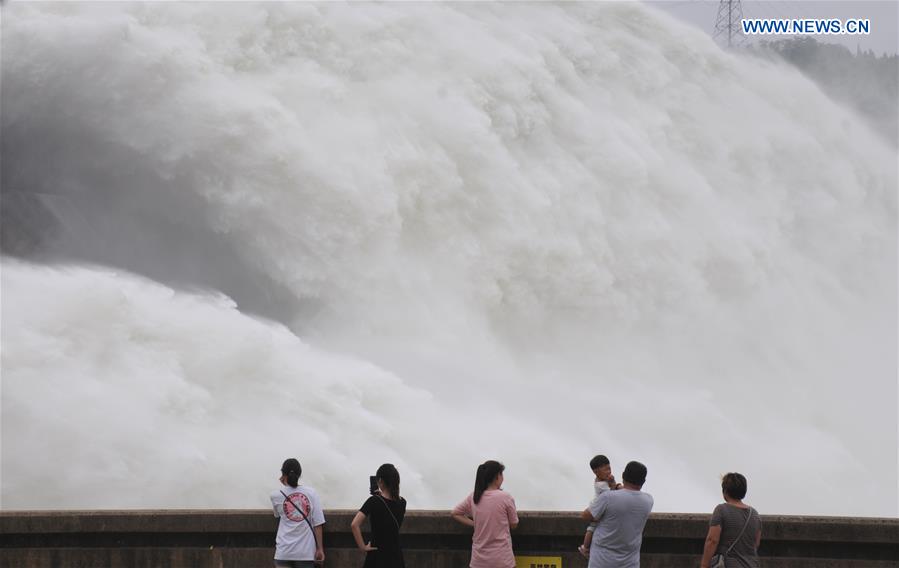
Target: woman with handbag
[300,519]
[735,529]
[385,510]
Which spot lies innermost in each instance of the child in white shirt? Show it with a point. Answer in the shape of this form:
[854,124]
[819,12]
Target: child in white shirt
[604,481]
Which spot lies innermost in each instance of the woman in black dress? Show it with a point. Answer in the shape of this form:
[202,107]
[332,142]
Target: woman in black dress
[385,510]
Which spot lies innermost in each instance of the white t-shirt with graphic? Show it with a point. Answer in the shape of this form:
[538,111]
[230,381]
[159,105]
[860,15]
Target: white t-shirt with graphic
[295,540]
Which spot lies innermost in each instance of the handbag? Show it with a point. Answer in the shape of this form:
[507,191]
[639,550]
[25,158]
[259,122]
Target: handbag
[718,559]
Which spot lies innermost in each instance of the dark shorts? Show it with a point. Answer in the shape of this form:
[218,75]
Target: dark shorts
[294,563]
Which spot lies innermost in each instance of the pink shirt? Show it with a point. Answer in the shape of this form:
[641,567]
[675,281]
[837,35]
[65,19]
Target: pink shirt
[491,544]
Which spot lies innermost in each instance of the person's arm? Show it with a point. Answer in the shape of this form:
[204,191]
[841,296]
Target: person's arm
[711,545]
[513,514]
[462,512]
[356,527]
[758,539]
[318,519]
[276,507]
[402,512]
[320,551]
[597,507]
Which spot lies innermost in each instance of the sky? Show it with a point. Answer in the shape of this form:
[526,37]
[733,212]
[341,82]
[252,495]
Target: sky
[884,16]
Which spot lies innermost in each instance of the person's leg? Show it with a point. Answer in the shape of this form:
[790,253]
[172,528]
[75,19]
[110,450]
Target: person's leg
[584,548]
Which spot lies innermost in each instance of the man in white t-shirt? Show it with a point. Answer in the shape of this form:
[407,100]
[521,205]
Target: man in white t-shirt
[621,516]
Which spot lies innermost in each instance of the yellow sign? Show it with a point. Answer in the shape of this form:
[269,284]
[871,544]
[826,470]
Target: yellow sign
[538,562]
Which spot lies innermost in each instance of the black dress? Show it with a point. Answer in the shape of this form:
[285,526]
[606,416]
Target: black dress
[385,517]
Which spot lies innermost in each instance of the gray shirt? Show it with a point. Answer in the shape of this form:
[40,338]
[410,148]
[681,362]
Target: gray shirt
[621,516]
[731,519]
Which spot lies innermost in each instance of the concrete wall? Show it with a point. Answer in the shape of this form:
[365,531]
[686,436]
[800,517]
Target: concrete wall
[224,539]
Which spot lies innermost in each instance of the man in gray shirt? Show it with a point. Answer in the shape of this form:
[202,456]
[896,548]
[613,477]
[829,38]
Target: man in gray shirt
[621,516]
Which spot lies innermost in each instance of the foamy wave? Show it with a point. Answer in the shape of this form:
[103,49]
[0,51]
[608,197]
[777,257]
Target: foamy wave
[579,224]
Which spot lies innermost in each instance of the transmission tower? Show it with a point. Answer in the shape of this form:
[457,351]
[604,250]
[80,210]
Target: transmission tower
[730,12]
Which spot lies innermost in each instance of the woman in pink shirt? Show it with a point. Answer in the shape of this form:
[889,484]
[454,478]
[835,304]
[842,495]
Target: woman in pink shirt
[491,512]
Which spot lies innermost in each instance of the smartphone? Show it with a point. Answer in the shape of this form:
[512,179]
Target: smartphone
[372,484]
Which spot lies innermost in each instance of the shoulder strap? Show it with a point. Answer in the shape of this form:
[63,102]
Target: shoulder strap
[748,518]
[397,523]
[305,518]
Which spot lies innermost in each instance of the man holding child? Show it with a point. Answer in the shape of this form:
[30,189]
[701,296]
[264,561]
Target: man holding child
[620,517]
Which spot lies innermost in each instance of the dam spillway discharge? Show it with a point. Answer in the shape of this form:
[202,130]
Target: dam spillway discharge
[226,223]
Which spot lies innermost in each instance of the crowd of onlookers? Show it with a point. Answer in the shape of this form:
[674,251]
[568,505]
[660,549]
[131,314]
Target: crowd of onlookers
[616,517]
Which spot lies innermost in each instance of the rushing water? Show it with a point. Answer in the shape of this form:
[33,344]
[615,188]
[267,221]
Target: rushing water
[434,234]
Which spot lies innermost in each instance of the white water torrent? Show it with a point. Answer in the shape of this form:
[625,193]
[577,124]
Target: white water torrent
[434,234]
